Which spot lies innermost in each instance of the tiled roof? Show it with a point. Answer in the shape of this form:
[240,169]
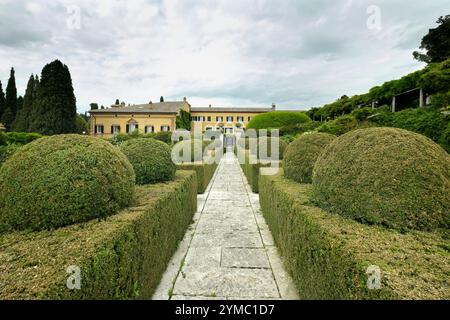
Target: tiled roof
[160,107]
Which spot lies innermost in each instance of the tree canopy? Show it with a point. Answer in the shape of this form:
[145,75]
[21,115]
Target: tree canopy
[436,43]
[54,110]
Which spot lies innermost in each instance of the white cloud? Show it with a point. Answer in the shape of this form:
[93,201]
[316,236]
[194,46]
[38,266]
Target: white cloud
[297,54]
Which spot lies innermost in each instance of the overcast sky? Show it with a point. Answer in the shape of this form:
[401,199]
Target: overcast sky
[297,54]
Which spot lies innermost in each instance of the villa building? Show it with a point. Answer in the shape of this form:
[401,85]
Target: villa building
[157,117]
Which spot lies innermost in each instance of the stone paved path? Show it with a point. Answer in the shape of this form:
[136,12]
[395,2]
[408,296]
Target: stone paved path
[228,252]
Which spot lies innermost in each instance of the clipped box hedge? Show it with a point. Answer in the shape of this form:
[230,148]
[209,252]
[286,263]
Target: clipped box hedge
[251,172]
[121,257]
[328,255]
[205,173]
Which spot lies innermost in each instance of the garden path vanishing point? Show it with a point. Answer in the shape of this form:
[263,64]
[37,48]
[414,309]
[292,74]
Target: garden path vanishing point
[228,251]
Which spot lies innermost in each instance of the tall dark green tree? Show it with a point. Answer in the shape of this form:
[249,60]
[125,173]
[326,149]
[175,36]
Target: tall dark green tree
[436,43]
[10,102]
[117,102]
[22,122]
[2,101]
[161,99]
[54,109]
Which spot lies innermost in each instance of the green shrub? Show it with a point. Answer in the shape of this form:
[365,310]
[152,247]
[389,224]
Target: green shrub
[3,140]
[328,256]
[118,139]
[299,128]
[7,151]
[204,171]
[251,171]
[122,257]
[385,176]
[277,119]
[339,126]
[61,180]
[151,160]
[163,136]
[362,114]
[440,100]
[21,138]
[265,142]
[301,155]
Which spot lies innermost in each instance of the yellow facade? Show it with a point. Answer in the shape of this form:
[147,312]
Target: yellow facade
[213,120]
[157,117]
[109,121]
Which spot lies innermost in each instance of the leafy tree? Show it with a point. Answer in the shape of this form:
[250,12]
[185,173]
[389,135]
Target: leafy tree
[81,124]
[10,102]
[94,106]
[436,43]
[2,101]
[183,120]
[161,99]
[22,122]
[54,110]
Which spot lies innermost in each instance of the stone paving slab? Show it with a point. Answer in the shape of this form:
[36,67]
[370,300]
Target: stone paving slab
[228,252]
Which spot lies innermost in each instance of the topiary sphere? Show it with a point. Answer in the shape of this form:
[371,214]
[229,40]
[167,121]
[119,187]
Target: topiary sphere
[61,180]
[302,153]
[266,142]
[151,160]
[385,176]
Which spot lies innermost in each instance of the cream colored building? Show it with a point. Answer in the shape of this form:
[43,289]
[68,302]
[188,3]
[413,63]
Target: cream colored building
[230,119]
[157,117]
[147,118]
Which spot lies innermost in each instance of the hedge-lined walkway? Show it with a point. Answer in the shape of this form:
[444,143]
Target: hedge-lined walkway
[228,253]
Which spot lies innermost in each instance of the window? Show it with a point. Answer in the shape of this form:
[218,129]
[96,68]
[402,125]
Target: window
[230,119]
[149,129]
[165,128]
[201,119]
[209,119]
[115,129]
[99,129]
[194,118]
[219,119]
[249,118]
[240,119]
[131,127]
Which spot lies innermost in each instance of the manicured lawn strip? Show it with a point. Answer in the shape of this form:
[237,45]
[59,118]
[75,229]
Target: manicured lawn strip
[204,171]
[122,257]
[328,255]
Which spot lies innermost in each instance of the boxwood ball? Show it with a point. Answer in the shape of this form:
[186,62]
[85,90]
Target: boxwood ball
[386,176]
[302,153]
[151,160]
[62,180]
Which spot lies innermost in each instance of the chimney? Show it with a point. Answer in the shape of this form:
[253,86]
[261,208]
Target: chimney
[185,99]
[274,106]
[210,106]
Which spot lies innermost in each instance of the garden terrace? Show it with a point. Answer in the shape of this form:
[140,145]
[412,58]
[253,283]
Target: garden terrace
[328,255]
[121,257]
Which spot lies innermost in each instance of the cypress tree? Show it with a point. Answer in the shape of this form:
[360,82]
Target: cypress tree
[2,101]
[117,102]
[161,99]
[10,102]
[22,122]
[54,109]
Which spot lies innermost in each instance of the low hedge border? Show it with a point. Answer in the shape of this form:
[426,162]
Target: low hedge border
[251,172]
[328,255]
[121,257]
[205,173]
